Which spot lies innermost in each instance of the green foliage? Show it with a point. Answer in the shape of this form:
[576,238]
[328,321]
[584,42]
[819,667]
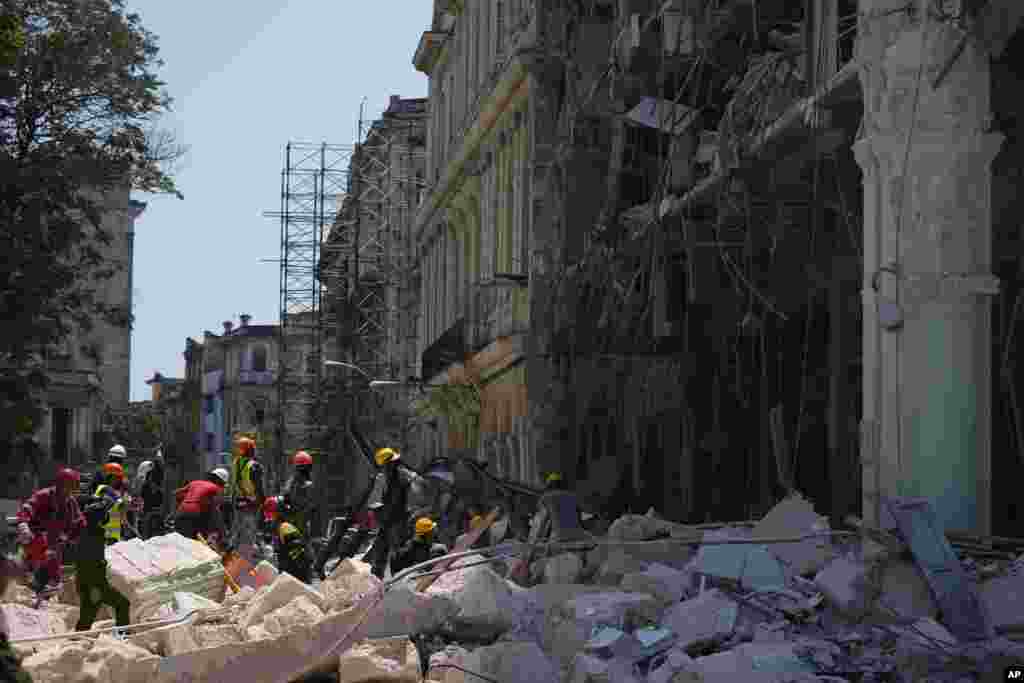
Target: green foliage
[78,100]
[457,402]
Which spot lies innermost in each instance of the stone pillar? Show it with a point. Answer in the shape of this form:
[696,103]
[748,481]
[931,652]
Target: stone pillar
[925,153]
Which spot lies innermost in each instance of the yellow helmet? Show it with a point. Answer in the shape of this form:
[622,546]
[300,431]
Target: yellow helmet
[553,477]
[424,525]
[476,521]
[385,455]
[286,530]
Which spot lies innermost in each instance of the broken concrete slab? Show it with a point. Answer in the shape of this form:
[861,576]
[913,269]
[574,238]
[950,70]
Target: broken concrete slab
[563,569]
[269,598]
[404,610]
[844,583]
[395,660]
[678,667]
[617,564]
[298,613]
[636,528]
[216,635]
[905,590]
[775,658]
[57,665]
[567,627]
[512,662]
[664,583]
[751,565]
[795,516]
[444,665]
[20,622]
[483,597]
[707,616]
[590,669]
[1004,599]
[111,659]
[149,572]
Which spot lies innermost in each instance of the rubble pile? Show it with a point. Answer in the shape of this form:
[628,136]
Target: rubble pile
[653,602]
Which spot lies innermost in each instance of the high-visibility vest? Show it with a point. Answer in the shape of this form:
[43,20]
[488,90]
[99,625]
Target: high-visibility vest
[112,527]
[244,485]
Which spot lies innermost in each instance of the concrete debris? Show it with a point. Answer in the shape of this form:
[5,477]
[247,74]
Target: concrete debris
[795,516]
[723,613]
[666,584]
[395,660]
[564,568]
[148,573]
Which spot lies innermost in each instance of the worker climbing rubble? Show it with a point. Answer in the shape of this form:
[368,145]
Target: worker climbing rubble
[290,543]
[48,522]
[247,494]
[113,489]
[393,512]
[420,548]
[91,580]
[200,507]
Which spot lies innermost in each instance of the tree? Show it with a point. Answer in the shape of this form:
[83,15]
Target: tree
[79,100]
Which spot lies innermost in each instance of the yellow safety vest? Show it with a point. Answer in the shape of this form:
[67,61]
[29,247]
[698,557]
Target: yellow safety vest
[112,527]
[244,485]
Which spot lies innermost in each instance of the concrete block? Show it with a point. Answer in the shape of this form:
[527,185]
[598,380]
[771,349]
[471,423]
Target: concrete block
[905,590]
[678,667]
[148,573]
[709,615]
[588,669]
[775,658]
[513,662]
[563,569]
[795,516]
[216,635]
[752,565]
[59,664]
[666,584]
[635,528]
[341,590]
[117,660]
[299,613]
[1004,598]
[483,597]
[617,564]
[404,610]
[284,589]
[442,665]
[374,661]
[844,584]
[568,627]
[20,622]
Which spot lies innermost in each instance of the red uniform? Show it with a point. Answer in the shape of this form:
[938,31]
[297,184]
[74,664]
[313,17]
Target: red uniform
[56,518]
[197,496]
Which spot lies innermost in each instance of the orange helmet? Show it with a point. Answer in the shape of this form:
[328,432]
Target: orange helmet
[114,469]
[246,446]
[302,458]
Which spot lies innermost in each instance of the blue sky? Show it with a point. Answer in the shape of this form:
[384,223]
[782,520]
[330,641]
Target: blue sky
[247,77]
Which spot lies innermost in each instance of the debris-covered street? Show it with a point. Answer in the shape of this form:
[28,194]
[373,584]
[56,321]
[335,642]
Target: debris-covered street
[780,599]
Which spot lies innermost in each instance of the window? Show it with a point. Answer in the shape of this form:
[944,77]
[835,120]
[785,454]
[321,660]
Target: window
[259,358]
[60,430]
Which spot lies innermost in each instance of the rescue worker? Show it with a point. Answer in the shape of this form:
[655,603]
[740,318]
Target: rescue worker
[558,513]
[117,454]
[48,522]
[290,543]
[91,580]
[10,664]
[149,488]
[298,491]
[350,533]
[200,507]
[113,489]
[247,496]
[476,520]
[420,549]
[393,511]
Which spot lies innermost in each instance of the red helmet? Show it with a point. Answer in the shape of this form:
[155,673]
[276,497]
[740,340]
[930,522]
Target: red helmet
[66,474]
[246,446]
[270,508]
[302,458]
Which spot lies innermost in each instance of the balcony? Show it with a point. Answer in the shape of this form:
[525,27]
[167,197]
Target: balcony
[257,377]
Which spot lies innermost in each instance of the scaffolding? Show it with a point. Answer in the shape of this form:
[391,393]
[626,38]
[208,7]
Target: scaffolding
[314,182]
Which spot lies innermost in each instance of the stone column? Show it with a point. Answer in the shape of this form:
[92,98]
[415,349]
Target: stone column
[926,153]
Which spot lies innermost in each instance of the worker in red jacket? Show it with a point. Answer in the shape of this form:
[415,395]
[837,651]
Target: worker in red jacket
[48,522]
[199,507]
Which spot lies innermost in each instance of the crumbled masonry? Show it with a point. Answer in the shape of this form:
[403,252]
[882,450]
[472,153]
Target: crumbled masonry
[624,610]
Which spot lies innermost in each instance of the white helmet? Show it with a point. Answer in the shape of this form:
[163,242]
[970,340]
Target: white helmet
[117,453]
[221,474]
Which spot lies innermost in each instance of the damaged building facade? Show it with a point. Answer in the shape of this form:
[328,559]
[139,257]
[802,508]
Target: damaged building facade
[682,227]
